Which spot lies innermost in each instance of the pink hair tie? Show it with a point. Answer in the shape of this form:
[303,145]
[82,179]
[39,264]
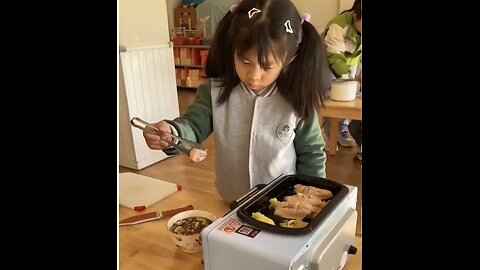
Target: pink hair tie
[306,17]
[233,8]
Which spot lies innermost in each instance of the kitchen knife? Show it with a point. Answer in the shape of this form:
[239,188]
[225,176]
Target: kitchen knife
[152,216]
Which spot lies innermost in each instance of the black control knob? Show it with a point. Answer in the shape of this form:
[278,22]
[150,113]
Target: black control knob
[352,250]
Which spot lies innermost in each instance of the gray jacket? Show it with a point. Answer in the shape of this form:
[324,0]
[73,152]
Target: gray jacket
[257,138]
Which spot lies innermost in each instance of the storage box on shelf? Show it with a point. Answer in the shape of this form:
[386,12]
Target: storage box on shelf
[189,64]
[186,16]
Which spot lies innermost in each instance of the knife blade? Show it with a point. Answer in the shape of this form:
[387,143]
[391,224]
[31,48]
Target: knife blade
[152,216]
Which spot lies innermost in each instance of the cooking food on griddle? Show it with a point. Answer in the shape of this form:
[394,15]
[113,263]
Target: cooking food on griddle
[292,213]
[294,208]
[273,203]
[310,199]
[294,204]
[314,191]
[315,211]
[294,223]
[190,225]
[261,217]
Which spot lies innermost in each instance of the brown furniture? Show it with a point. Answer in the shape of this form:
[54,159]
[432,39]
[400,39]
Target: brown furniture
[148,246]
[339,110]
[185,15]
[189,64]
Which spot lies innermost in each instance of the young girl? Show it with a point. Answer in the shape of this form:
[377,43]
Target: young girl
[268,74]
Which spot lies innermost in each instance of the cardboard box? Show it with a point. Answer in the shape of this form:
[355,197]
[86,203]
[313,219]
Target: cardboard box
[186,16]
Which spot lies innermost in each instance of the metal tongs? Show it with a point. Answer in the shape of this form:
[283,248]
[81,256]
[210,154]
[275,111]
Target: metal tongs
[181,144]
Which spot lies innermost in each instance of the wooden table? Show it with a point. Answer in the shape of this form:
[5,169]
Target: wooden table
[148,246]
[337,110]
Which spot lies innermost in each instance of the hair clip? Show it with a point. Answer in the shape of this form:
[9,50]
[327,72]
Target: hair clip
[233,8]
[306,17]
[252,12]
[288,27]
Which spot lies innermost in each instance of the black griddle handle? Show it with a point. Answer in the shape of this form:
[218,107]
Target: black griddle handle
[247,196]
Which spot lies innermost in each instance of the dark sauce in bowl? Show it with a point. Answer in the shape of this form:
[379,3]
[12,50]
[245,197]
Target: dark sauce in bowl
[190,225]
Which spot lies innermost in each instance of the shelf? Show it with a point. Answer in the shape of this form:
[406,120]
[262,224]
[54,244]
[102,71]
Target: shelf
[192,46]
[186,87]
[192,66]
[190,62]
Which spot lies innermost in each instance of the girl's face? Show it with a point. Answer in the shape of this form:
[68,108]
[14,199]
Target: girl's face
[251,73]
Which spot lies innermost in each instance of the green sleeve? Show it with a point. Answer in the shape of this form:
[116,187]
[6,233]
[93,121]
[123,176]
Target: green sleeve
[196,124]
[338,64]
[309,145]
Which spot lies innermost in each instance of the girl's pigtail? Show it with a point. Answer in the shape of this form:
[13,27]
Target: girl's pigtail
[308,73]
[220,63]
[217,54]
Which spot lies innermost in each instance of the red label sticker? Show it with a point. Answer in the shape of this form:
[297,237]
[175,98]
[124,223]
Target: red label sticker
[234,222]
[231,225]
[229,228]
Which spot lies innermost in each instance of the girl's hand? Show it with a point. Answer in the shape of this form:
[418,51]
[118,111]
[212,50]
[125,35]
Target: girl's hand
[155,141]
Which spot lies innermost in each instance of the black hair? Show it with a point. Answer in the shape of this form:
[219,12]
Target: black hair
[357,9]
[304,79]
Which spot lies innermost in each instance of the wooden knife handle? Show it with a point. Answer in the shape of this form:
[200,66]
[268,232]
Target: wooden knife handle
[173,212]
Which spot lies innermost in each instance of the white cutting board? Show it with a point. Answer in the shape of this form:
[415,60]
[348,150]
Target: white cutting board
[139,190]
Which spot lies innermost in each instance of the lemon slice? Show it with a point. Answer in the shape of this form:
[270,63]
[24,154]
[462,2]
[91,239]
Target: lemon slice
[261,217]
[294,223]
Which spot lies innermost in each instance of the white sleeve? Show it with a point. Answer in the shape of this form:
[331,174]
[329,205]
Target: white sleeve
[335,39]
[174,130]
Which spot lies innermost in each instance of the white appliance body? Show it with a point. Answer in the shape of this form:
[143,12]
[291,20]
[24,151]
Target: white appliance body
[231,243]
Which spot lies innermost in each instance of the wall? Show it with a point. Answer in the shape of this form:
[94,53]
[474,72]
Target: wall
[147,86]
[345,4]
[143,22]
[321,10]
[171,6]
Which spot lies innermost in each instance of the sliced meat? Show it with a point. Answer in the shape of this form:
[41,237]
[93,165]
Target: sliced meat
[315,211]
[292,213]
[310,199]
[197,155]
[314,191]
[294,204]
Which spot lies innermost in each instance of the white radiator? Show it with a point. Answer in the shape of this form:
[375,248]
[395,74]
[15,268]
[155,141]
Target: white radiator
[148,90]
